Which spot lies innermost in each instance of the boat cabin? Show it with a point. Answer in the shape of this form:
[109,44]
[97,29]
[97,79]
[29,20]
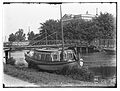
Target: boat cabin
[52,55]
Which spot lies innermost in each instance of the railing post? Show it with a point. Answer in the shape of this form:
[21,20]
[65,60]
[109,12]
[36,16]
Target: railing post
[86,49]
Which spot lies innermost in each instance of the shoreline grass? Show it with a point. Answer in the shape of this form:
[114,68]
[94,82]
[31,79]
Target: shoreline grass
[42,77]
[34,76]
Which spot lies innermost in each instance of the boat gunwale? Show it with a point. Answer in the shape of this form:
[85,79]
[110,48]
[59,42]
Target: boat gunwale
[48,62]
[50,50]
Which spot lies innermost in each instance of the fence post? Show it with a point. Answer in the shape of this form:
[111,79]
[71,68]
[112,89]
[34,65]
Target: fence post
[86,49]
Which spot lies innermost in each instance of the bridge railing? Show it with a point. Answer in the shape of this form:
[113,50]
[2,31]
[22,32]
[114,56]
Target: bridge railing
[100,43]
[55,42]
[104,43]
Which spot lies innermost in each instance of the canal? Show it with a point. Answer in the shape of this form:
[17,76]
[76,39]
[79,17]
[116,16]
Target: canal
[100,63]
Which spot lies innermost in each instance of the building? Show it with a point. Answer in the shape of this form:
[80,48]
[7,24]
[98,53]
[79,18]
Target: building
[68,17]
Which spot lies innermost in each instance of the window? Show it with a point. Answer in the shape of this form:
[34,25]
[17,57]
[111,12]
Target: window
[35,56]
[39,56]
[70,56]
[43,57]
[64,56]
[48,57]
[55,57]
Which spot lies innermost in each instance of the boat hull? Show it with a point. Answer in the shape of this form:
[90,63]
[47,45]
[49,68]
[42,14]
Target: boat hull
[50,66]
[56,67]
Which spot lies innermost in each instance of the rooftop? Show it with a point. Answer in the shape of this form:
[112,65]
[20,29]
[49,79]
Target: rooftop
[50,50]
[86,16]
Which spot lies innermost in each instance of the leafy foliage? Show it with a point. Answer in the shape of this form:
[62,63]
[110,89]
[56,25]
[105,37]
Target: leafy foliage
[102,26]
[31,35]
[107,24]
[12,37]
[11,61]
[50,27]
[18,36]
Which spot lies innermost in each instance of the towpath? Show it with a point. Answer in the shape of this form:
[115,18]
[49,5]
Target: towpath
[9,81]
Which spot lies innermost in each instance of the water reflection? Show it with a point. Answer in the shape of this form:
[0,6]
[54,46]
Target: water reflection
[99,59]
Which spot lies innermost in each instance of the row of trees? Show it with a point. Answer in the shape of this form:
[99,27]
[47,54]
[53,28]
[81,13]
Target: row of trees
[102,26]
[18,36]
[21,36]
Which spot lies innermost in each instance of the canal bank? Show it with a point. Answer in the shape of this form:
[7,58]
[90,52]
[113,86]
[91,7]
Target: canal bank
[97,62]
[46,79]
[10,81]
[93,60]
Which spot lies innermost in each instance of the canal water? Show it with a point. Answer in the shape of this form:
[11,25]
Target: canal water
[100,63]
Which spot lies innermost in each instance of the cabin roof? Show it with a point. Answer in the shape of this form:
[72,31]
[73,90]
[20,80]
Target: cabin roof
[49,50]
[46,50]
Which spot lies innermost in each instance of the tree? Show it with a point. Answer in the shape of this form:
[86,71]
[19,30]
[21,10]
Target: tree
[31,35]
[50,27]
[99,27]
[12,37]
[81,30]
[107,24]
[20,36]
[71,30]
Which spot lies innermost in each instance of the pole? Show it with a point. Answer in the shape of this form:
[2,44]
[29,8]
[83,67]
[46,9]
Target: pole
[62,32]
[56,38]
[29,29]
[46,36]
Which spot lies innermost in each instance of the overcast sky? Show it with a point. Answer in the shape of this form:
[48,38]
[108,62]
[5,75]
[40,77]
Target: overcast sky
[22,16]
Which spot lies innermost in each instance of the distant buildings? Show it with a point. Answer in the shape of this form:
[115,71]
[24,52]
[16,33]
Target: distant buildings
[68,17]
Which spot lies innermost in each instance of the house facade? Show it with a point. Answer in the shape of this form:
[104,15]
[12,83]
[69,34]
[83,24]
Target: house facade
[69,17]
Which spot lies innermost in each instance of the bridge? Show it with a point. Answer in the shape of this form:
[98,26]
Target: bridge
[49,43]
[99,44]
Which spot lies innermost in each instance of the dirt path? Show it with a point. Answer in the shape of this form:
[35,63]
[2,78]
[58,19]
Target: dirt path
[10,81]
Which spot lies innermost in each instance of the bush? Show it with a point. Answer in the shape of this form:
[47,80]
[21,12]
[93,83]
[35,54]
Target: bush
[21,63]
[33,76]
[11,61]
[76,73]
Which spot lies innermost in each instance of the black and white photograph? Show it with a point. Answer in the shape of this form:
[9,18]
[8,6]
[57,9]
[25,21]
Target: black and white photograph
[59,44]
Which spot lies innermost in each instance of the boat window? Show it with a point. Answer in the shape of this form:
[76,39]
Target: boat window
[65,56]
[43,57]
[39,56]
[35,56]
[48,57]
[70,55]
[55,57]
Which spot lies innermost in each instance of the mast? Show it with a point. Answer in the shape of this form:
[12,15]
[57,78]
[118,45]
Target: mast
[62,32]
[96,11]
[28,29]
[46,36]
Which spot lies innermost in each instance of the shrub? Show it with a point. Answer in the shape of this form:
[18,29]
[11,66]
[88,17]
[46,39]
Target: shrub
[11,61]
[78,73]
[21,63]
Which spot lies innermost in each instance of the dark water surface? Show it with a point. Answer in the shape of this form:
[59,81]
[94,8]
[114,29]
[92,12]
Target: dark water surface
[100,63]
[99,59]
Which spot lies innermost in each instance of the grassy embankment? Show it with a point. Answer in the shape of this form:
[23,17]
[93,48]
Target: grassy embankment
[51,79]
[83,76]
